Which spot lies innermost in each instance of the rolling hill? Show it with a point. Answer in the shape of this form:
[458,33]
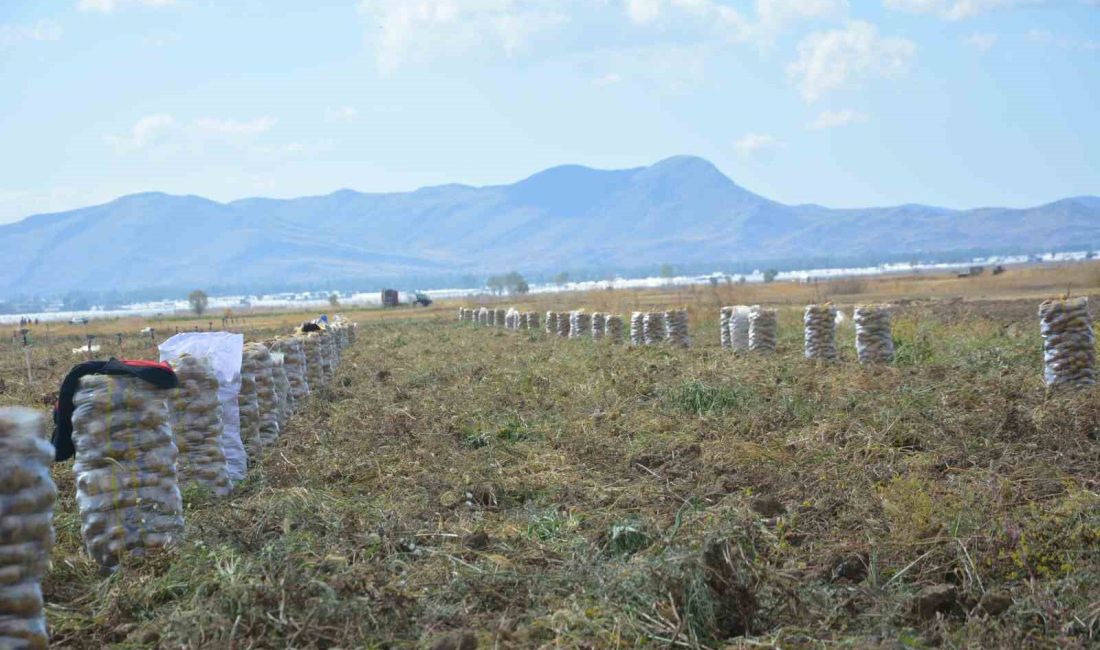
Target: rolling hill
[682,210]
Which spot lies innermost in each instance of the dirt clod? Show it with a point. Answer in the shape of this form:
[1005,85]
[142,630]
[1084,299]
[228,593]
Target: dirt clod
[768,506]
[937,599]
[995,603]
[462,640]
[477,541]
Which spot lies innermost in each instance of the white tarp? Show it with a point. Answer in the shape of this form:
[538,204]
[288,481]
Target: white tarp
[224,350]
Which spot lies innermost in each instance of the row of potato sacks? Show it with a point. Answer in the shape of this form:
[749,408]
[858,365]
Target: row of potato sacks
[756,329]
[136,446]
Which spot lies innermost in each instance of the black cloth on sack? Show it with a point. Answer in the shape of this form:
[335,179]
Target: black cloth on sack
[310,327]
[157,373]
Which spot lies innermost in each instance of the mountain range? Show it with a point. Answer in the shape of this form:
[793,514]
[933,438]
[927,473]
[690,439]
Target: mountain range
[682,211]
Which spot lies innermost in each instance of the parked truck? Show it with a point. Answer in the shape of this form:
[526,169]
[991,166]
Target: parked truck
[389,298]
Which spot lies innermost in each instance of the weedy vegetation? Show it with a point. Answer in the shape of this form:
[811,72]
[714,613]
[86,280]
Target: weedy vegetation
[458,484]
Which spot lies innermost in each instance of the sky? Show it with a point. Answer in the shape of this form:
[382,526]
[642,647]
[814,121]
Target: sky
[956,103]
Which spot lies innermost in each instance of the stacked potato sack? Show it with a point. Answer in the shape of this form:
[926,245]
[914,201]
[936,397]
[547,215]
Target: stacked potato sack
[874,339]
[265,392]
[676,328]
[637,328]
[294,364]
[27,495]
[739,328]
[551,322]
[328,364]
[820,324]
[763,329]
[1068,343]
[353,329]
[282,387]
[724,327]
[196,417]
[580,325]
[501,314]
[533,321]
[333,352]
[311,346]
[565,323]
[654,326]
[599,323]
[461,314]
[125,468]
[248,401]
[613,328]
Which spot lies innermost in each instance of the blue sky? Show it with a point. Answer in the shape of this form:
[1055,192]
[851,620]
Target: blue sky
[959,103]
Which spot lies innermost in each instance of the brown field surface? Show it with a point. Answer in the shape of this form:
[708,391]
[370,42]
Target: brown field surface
[459,485]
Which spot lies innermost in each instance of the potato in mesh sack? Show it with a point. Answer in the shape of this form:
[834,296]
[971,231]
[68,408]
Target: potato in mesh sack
[1069,358]
[196,417]
[874,336]
[763,329]
[282,388]
[653,325]
[126,482]
[613,328]
[820,332]
[315,375]
[265,393]
[27,495]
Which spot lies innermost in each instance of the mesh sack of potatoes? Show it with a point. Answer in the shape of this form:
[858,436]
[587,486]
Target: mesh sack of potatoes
[125,468]
[739,328]
[294,363]
[461,314]
[820,331]
[1068,343]
[332,350]
[613,328]
[27,495]
[248,401]
[196,417]
[328,367]
[874,336]
[265,393]
[763,329]
[676,328]
[315,375]
[289,364]
[501,314]
[282,387]
[654,326]
[599,323]
[580,325]
[637,328]
[533,320]
[724,327]
[565,321]
[551,322]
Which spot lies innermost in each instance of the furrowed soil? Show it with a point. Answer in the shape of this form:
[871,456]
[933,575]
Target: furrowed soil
[459,485]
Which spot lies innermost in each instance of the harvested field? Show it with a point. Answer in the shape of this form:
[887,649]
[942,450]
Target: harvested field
[456,482]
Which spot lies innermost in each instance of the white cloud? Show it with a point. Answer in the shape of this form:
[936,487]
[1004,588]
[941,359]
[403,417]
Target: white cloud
[232,127]
[608,79]
[751,144]
[832,59]
[834,119]
[43,30]
[981,42]
[954,9]
[341,114]
[420,28]
[145,131]
[108,6]
[643,11]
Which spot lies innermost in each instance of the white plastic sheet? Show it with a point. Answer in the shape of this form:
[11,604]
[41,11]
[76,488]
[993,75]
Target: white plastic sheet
[224,350]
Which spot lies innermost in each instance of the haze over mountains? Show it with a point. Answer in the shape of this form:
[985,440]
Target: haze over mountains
[681,210]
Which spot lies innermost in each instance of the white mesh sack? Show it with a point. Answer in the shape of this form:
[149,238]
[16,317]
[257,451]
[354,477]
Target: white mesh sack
[533,320]
[763,329]
[565,321]
[328,365]
[293,368]
[551,322]
[580,325]
[524,324]
[196,418]
[27,496]
[613,329]
[282,387]
[249,401]
[676,328]
[820,331]
[599,324]
[265,393]
[637,328]
[724,327]
[500,316]
[739,328]
[1068,343]
[125,468]
[874,338]
[654,326]
[224,350]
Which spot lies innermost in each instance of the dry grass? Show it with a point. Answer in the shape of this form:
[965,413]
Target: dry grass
[537,492]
